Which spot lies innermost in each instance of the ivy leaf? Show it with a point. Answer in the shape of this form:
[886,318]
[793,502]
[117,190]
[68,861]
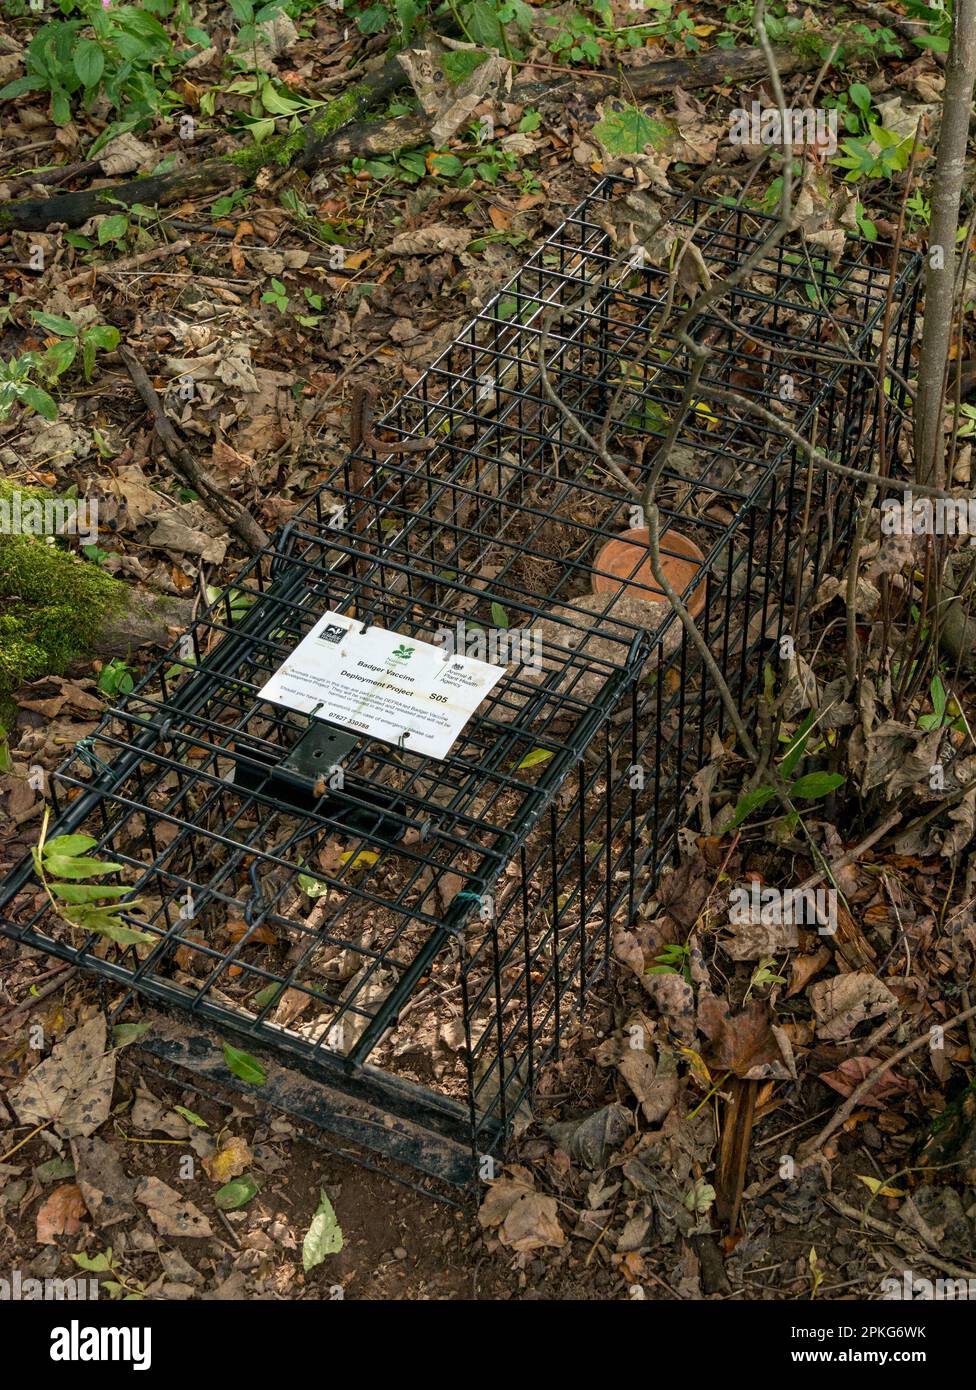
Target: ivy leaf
[629,131]
[243,1065]
[324,1236]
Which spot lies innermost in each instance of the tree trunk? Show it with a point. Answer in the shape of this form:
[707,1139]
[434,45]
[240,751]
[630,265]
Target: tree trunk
[950,169]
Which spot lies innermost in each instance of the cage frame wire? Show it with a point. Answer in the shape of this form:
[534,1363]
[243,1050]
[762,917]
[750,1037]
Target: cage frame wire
[524,969]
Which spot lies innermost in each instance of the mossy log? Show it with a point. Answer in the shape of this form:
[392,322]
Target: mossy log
[56,608]
[300,148]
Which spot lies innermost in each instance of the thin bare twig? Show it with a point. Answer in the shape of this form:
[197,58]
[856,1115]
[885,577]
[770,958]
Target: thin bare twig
[229,511]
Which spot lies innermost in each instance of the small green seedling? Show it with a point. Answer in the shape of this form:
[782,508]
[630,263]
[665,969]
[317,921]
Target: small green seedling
[115,677]
[62,864]
[277,295]
[673,960]
[764,975]
[60,356]
[17,387]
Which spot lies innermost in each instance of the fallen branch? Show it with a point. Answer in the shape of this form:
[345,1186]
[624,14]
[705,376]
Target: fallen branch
[227,509]
[155,253]
[809,1151]
[918,1249]
[717,66]
[301,148]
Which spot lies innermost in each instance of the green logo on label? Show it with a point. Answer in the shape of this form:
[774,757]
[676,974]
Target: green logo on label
[403,652]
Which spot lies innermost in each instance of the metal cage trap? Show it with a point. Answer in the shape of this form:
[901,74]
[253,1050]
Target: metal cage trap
[406,940]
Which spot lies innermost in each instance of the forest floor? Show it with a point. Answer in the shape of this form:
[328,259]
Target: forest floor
[277,299]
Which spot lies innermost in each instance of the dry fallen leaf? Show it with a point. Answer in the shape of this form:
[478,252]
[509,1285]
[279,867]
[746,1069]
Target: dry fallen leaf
[430,241]
[745,1043]
[232,1159]
[852,1072]
[107,1190]
[523,1218]
[71,1089]
[169,1213]
[846,1001]
[61,1214]
[654,1081]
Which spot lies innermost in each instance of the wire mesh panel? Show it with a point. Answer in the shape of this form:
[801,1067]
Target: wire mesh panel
[421,932]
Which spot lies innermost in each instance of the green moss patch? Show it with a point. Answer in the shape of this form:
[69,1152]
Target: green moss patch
[53,607]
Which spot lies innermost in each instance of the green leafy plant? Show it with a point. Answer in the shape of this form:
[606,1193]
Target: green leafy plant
[59,357]
[853,107]
[919,208]
[938,17]
[115,677]
[580,39]
[967,421]
[813,786]
[119,54]
[95,554]
[63,864]
[879,154]
[764,975]
[277,295]
[18,387]
[865,226]
[946,710]
[119,1287]
[673,960]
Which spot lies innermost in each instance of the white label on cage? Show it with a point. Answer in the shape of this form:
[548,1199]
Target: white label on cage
[376,682]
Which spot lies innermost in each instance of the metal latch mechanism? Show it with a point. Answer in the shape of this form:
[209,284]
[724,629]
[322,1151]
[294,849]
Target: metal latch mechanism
[305,781]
